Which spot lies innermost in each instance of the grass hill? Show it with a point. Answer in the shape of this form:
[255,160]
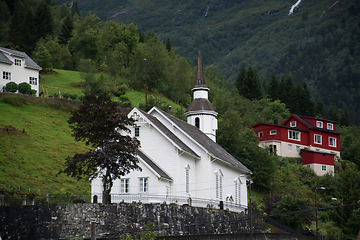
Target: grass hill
[35,137]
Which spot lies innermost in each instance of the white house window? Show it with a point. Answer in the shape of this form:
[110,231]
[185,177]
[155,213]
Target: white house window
[319,124]
[144,187]
[297,148]
[197,122]
[187,169]
[218,184]
[323,168]
[332,142]
[317,139]
[272,132]
[260,134]
[293,124]
[18,62]
[7,76]
[330,126]
[137,131]
[294,135]
[124,186]
[237,191]
[32,81]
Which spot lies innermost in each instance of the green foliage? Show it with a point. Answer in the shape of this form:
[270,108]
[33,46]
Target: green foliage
[248,83]
[15,101]
[11,87]
[25,88]
[43,59]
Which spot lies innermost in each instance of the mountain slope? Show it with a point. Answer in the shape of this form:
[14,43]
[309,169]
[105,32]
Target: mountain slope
[319,42]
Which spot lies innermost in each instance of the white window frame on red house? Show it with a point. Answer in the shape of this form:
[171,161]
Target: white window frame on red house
[333,142]
[294,135]
[319,124]
[272,132]
[317,139]
[261,134]
[330,126]
[293,124]
[323,167]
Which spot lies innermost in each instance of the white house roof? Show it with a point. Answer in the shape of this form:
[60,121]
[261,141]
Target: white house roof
[201,138]
[29,63]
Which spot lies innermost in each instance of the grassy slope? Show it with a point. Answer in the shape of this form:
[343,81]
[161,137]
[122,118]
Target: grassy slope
[33,159]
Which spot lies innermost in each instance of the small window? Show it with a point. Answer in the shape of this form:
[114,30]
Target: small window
[330,126]
[7,76]
[323,168]
[32,81]
[143,185]
[18,62]
[308,166]
[218,184]
[293,124]
[332,142]
[260,134]
[197,122]
[124,186]
[294,135]
[289,147]
[187,176]
[297,148]
[317,139]
[137,131]
[319,124]
[272,132]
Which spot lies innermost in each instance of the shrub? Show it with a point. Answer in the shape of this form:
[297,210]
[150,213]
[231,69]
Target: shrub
[65,95]
[25,88]
[119,90]
[15,101]
[124,102]
[11,87]
[73,96]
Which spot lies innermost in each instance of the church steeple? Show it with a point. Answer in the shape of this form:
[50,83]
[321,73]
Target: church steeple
[201,112]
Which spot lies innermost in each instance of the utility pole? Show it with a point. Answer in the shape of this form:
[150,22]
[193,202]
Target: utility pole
[146,62]
[317,229]
[250,208]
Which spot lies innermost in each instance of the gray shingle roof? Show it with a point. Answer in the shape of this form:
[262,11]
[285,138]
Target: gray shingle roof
[314,127]
[212,147]
[153,165]
[29,63]
[170,135]
[4,59]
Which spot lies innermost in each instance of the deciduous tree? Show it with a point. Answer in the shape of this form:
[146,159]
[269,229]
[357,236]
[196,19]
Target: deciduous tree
[99,123]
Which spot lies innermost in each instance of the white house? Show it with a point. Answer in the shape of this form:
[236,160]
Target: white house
[181,161]
[18,67]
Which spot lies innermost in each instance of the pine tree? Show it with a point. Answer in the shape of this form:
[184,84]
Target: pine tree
[75,9]
[273,88]
[44,21]
[15,26]
[27,37]
[319,110]
[344,118]
[333,114]
[168,45]
[141,36]
[240,79]
[66,30]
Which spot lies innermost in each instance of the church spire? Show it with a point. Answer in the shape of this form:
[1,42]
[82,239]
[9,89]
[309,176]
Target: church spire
[200,79]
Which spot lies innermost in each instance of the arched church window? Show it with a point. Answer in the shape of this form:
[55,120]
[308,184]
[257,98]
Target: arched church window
[197,122]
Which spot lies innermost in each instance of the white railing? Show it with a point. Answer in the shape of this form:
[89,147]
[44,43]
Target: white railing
[178,200]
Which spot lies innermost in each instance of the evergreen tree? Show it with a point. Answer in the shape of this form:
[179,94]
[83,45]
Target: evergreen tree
[240,79]
[344,118]
[43,59]
[151,35]
[15,30]
[248,83]
[168,45]
[273,88]
[27,37]
[333,114]
[304,104]
[44,21]
[141,36]
[75,9]
[319,110]
[66,30]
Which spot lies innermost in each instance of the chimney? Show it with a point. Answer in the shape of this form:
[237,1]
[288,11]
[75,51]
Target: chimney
[170,110]
[275,121]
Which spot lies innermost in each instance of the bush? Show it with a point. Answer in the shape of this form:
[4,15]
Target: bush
[11,87]
[119,90]
[125,102]
[15,101]
[73,96]
[65,95]
[25,88]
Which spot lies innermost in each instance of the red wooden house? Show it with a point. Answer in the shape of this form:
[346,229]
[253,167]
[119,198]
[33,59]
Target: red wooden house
[318,138]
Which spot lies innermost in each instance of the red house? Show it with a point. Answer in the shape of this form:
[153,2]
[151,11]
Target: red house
[318,138]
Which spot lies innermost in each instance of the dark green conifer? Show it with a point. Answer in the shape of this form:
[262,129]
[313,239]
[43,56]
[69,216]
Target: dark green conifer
[168,45]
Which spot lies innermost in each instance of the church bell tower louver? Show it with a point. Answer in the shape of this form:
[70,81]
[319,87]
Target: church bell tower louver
[201,112]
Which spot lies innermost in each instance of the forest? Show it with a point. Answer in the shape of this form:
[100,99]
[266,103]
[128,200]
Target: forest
[111,58]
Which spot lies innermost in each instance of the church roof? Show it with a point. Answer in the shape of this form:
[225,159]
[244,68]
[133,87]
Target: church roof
[212,147]
[153,165]
[199,104]
[200,78]
[170,135]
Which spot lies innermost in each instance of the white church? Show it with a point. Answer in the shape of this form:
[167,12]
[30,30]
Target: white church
[181,162]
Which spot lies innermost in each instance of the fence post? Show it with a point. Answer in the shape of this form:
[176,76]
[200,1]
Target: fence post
[93,230]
